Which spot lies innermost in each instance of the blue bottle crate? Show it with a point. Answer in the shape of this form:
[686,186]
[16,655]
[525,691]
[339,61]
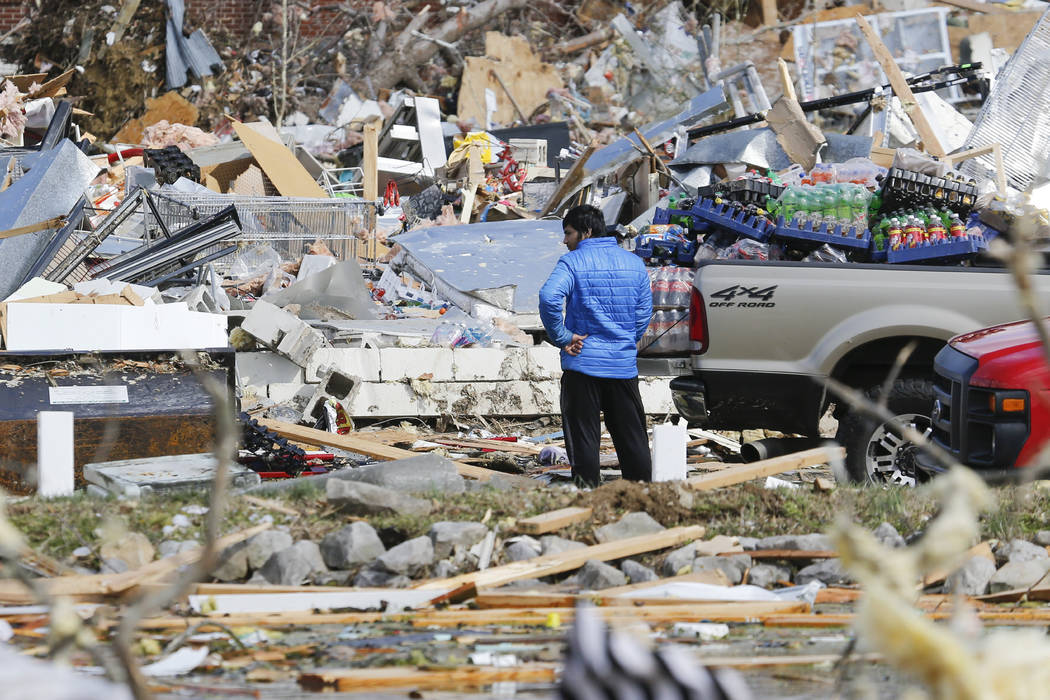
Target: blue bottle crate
[667,252]
[850,239]
[725,217]
[950,252]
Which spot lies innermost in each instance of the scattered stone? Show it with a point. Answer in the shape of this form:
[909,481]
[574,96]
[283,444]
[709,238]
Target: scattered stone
[446,568]
[630,525]
[679,561]
[372,578]
[169,548]
[596,575]
[1019,550]
[233,563]
[552,544]
[686,496]
[637,573]
[810,543]
[312,554]
[360,498]
[971,578]
[133,548]
[113,565]
[409,558]
[1042,538]
[429,473]
[767,575]
[888,535]
[447,535]
[748,543]
[828,571]
[1018,574]
[733,567]
[264,545]
[351,545]
[333,578]
[520,550]
[289,567]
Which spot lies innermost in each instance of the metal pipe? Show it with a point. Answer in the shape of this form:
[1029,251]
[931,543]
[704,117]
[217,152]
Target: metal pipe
[775,447]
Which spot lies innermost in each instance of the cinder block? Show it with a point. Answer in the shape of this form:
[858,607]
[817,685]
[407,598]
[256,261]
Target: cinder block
[334,384]
[262,368]
[282,392]
[544,362]
[299,344]
[269,323]
[487,364]
[355,362]
[398,364]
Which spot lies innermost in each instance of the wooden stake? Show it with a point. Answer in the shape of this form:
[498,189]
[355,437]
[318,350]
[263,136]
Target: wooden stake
[900,87]
[370,162]
[554,520]
[765,467]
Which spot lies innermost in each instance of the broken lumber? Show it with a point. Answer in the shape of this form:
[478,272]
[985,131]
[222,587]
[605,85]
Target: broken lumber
[371,448]
[554,520]
[360,679]
[572,180]
[901,89]
[570,560]
[765,467]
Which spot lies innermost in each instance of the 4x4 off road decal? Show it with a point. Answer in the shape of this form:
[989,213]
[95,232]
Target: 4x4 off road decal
[743,297]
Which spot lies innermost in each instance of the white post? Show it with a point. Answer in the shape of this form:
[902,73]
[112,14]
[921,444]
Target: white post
[54,453]
[669,452]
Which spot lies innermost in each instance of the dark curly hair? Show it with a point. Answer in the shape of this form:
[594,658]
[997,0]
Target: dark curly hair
[586,218]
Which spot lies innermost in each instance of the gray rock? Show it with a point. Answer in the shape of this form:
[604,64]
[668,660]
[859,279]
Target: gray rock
[748,543]
[596,575]
[552,544]
[679,561]
[814,542]
[408,558]
[359,498]
[264,545]
[971,578]
[1019,550]
[289,567]
[447,535]
[766,575]
[520,551]
[233,563]
[446,568]
[113,565]
[169,548]
[133,547]
[1042,538]
[333,578]
[630,525]
[828,571]
[351,545]
[312,554]
[637,573]
[733,567]
[372,578]
[1018,574]
[429,473]
[888,535]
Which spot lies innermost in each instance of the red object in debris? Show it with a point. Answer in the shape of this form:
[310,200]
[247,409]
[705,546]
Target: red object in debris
[126,153]
[391,198]
[509,438]
[608,75]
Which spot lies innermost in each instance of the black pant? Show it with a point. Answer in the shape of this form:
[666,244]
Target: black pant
[582,398]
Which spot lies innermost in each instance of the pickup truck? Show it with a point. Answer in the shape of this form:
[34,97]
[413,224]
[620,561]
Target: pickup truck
[991,406]
[766,335]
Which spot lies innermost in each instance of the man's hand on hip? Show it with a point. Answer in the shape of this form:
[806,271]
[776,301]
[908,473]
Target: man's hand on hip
[575,347]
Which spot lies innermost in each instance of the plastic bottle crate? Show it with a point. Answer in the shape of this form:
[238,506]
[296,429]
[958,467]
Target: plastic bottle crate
[725,217]
[667,216]
[850,238]
[904,188]
[753,191]
[676,252]
[948,252]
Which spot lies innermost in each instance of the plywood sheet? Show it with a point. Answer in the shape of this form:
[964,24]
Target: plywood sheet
[522,71]
[280,165]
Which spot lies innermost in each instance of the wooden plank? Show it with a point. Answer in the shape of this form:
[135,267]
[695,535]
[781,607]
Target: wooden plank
[1040,592]
[769,12]
[777,661]
[837,595]
[765,467]
[900,86]
[792,554]
[554,520]
[370,162]
[364,679]
[519,447]
[57,222]
[280,165]
[357,442]
[572,180]
[570,560]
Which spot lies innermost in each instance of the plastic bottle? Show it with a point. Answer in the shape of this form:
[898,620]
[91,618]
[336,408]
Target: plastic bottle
[660,325]
[681,287]
[895,233]
[661,287]
[859,200]
[913,233]
[957,228]
[829,205]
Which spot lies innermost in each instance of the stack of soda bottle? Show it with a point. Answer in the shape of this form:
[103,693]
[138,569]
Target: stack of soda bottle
[834,204]
[914,228]
[747,209]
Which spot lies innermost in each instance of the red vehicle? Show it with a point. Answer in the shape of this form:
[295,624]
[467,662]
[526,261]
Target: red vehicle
[992,399]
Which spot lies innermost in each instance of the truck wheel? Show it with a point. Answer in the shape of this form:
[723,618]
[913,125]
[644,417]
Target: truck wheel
[875,453]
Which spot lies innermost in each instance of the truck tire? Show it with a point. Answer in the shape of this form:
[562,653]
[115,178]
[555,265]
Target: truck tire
[874,453]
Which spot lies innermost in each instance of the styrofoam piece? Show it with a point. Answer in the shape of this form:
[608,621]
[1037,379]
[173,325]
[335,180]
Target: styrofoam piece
[353,362]
[397,364]
[669,452]
[103,286]
[36,287]
[88,327]
[54,453]
[131,477]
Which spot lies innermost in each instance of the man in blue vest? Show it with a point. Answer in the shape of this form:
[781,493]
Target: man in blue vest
[608,302]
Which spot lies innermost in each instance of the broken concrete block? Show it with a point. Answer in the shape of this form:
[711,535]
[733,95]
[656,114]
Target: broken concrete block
[520,551]
[408,558]
[169,548]
[1042,538]
[359,498]
[282,393]
[596,575]
[448,535]
[300,344]
[362,363]
[311,552]
[133,477]
[888,535]
[269,323]
[399,364]
[334,385]
[377,578]
[428,473]
[264,545]
[972,578]
[351,545]
[487,364]
[630,525]
[267,367]
[637,573]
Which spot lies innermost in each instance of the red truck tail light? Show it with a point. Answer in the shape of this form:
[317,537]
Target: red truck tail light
[698,320]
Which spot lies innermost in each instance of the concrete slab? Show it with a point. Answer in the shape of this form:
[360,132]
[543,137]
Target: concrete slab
[354,362]
[262,368]
[134,477]
[398,364]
